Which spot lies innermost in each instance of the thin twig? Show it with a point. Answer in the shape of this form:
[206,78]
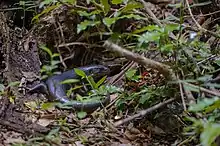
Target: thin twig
[182,96]
[193,18]
[197,24]
[203,89]
[143,113]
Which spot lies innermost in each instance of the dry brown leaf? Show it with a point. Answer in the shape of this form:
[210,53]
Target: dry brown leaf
[44,122]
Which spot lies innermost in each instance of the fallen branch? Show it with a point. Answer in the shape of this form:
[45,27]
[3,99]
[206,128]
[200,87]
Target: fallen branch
[162,68]
[143,113]
[203,89]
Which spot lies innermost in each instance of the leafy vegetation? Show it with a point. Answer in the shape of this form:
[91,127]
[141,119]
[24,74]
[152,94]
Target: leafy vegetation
[187,56]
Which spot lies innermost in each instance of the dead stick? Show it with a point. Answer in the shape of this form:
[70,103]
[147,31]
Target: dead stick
[143,113]
[162,68]
[203,89]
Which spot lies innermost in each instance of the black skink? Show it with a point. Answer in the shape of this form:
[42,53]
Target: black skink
[57,91]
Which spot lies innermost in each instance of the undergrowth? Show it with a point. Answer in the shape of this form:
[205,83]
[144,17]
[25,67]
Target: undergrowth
[186,56]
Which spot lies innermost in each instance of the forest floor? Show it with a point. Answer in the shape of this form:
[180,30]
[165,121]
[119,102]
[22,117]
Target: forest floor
[151,90]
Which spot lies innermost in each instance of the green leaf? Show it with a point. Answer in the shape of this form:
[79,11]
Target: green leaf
[83,25]
[167,48]
[217,62]
[86,14]
[137,17]
[55,55]
[109,21]
[45,11]
[43,47]
[144,98]
[106,6]
[191,88]
[131,6]
[46,106]
[130,73]
[54,131]
[116,2]
[91,82]
[213,107]
[149,28]
[210,133]
[172,27]
[149,37]
[101,81]
[44,77]
[81,114]
[70,81]
[72,2]
[72,89]
[202,104]
[104,89]
[80,72]
[54,62]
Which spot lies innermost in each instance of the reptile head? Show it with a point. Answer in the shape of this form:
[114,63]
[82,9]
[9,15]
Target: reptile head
[96,71]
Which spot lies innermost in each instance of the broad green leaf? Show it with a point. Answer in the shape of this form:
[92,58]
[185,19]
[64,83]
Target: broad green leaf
[44,77]
[55,62]
[47,50]
[217,62]
[191,88]
[130,73]
[80,72]
[149,28]
[106,5]
[172,27]
[109,89]
[131,6]
[54,131]
[109,21]
[213,85]
[116,2]
[144,98]
[101,81]
[213,107]
[210,133]
[49,67]
[32,105]
[81,114]
[202,104]
[204,78]
[70,81]
[83,25]
[48,105]
[149,37]
[167,48]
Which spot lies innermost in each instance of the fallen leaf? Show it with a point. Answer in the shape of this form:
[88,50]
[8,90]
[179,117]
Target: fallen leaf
[44,122]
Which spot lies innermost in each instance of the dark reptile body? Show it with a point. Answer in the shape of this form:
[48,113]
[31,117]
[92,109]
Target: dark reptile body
[57,91]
